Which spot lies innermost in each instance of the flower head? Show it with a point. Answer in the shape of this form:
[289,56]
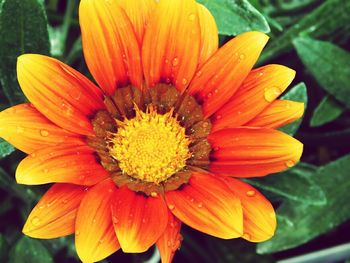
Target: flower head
[159,141]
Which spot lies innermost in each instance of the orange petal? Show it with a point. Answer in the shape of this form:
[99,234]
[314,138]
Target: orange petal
[278,114]
[171,45]
[258,214]
[59,92]
[65,163]
[259,89]
[139,13]
[209,34]
[248,152]
[28,130]
[54,215]
[138,220]
[95,238]
[207,205]
[110,46]
[219,78]
[170,240]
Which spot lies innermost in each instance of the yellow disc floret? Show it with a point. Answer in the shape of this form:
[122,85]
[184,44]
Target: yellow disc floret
[151,146]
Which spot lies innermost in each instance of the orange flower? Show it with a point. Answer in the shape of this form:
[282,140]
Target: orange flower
[157,143]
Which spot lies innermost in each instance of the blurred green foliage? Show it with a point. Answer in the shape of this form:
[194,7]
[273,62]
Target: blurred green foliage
[311,36]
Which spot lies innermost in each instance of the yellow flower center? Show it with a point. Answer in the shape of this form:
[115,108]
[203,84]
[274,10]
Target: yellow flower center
[151,146]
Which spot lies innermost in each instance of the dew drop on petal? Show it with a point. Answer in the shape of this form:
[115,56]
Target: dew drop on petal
[154,194]
[184,81]
[241,56]
[19,129]
[246,236]
[77,233]
[175,62]
[36,221]
[115,220]
[290,163]
[200,204]
[218,117]
[171,207]
[44,133]
[192,17]
[272,93]
[250,193]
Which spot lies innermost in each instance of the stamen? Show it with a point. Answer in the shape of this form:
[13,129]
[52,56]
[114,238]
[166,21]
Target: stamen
[151,146]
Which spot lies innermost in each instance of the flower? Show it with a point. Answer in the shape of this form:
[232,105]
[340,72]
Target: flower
[159,142]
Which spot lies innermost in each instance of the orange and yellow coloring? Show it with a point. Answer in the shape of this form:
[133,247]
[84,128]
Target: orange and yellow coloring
[161,139]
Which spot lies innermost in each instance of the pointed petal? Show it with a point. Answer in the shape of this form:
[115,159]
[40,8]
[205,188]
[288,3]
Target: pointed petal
[110,47]
[278,114]
[171,45]
[258,213]
[139,13]
[65,163]
[54,215]
[248,152]
[208,205]
[259,89]
[220,77]
[28,130]
[138,220]
[59,92]
[209,34]
[94,236]
[170,240]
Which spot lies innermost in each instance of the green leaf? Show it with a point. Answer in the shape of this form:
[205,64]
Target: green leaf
[329,64]
[297,93]
[23,29]
[5,148]
[328,110]
[322,21]
[29,250]
[300,222]
[294,184]
[236,16]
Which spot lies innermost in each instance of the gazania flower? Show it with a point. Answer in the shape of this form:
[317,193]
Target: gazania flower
[172,122]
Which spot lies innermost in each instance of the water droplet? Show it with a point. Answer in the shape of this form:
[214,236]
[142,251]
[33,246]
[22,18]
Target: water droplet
[218,117]
[144,220]
[46,170]
[192,17]
[44,133]
[171,207]
[101,241]
[154,194]
[209,95]
[64,201]
[199,73]
[175,62]
[216,149]
[19,129]
[241,56]
[77,233]
[250,193]
[115,220]
[200,204]
[184,81]
[261,73]
[246,236]
[166,61]
[272,93]
[290,163]
[33,155]
[36,221]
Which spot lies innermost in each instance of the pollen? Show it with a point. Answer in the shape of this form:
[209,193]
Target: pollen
[151,147]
